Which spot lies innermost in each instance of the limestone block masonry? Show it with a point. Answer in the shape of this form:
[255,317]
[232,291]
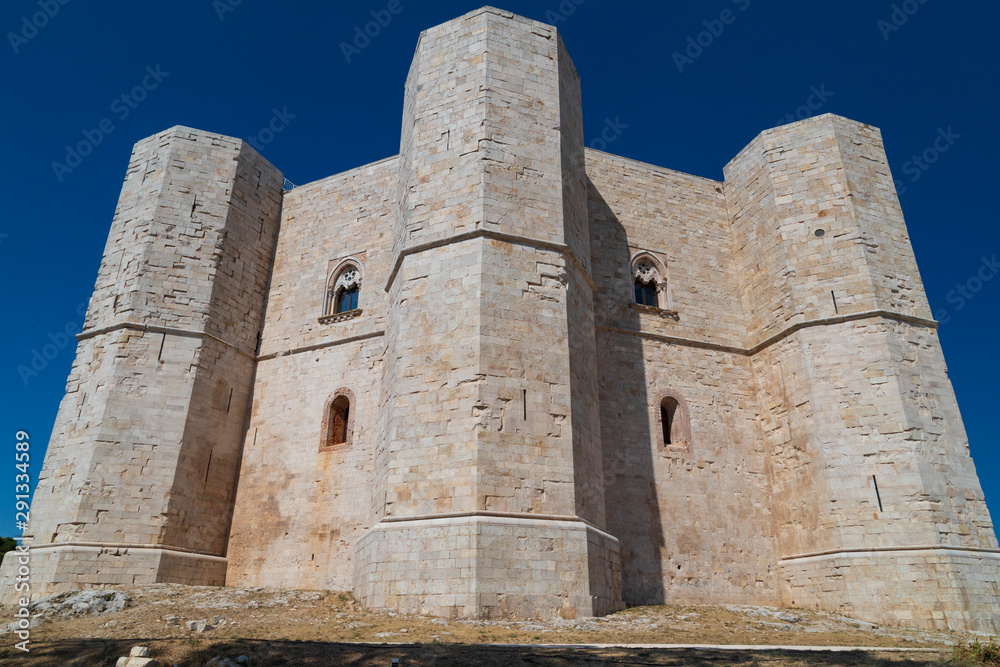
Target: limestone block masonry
[502,375]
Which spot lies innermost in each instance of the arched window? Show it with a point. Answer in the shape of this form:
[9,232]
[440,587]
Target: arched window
[338,420]
[340,412]
[668,411]
[674,422]
[648,281]
[344,290]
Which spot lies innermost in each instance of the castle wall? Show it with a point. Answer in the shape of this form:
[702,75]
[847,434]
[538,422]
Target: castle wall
[506,453]
[698,520]
[697,527]
[481,152]
[489,396]
[141,467]
[681,217]
[301,507]
[862,429]
[346,216]
[878,518]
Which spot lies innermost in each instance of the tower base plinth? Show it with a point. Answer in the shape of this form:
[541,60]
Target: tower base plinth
[57,568]
[489,566]
[934,588]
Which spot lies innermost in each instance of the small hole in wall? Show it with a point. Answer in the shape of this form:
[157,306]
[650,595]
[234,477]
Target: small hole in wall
[678,567]
[820,233]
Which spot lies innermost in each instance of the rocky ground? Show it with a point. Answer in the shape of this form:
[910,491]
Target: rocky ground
[191,626]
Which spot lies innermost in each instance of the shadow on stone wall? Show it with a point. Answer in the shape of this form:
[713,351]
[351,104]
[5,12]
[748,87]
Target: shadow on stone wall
[633,514]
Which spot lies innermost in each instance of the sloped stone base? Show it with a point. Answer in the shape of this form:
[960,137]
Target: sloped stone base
[489,566]
[56,568]
[934,588]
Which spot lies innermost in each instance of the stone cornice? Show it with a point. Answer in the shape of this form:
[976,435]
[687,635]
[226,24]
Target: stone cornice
[340,317]
[492,514]
[839,319]
[491,234]
[869,551]
[771,340]
[129,546]
[152,328]
[320,346]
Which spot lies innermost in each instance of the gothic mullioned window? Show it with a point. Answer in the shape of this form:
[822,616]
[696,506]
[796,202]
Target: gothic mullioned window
[648,281]
[344,291]
[645,293]
[347,299]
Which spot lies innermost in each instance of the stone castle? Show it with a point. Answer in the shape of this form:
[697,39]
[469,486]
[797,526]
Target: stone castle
[501,374]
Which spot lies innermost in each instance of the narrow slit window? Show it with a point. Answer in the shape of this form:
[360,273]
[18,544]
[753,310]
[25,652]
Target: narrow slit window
[668,412]
[337,427]
[674,423]
[339,418]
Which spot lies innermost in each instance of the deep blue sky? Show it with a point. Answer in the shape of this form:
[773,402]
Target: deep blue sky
[939,70]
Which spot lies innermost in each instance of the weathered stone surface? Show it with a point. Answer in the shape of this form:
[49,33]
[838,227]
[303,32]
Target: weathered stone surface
[199,626]
[143,460]
[874,495]
[134,660]
[774,426]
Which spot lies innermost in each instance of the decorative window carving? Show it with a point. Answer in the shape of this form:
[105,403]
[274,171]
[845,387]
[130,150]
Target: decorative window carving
[673,422]
[645,293]
[343,294]
[649,281]
[338,420]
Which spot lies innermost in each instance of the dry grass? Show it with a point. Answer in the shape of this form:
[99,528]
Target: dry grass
[277,627]
[977,653]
